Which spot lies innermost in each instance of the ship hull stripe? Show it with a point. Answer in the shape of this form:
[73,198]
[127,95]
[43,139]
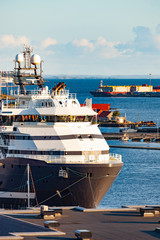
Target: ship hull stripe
[20,195]
[63,137]
[34,152]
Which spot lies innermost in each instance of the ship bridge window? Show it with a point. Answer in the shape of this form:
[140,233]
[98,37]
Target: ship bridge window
[48,104]
[79,118]
[43,118]
[72,118]
[8,120]
[94,119]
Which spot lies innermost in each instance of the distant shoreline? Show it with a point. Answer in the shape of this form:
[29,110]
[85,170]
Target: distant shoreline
[101,77]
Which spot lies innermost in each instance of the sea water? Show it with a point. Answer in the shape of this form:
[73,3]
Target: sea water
[139,180]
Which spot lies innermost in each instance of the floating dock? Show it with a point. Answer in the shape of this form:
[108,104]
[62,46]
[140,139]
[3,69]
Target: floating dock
[125,223]
[135,136]
[134,147]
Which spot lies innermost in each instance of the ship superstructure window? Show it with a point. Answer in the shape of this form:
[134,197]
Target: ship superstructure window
[29,152]
[74,118]
[8,120]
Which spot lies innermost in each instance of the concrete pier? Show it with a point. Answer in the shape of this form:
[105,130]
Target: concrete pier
[124,223]
[134,147]
[135,136]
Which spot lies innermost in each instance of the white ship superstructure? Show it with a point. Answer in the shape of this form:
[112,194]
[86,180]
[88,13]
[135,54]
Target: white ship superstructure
[53,133]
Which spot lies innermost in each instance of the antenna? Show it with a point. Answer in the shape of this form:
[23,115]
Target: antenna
[27,56]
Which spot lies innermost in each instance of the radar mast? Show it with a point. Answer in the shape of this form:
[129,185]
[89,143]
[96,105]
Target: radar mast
[26,71]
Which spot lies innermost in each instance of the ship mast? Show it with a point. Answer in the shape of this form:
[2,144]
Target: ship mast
[28,74]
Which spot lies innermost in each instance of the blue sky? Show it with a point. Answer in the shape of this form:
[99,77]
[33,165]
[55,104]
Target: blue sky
[93,37]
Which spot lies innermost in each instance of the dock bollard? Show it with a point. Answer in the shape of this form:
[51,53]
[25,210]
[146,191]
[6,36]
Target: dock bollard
[58,212]
[50,214]
[43,208]
[46,213]
[83,234]
[147,212]
[51,224]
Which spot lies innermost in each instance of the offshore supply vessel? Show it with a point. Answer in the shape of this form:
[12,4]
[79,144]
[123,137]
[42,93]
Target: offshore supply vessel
[51,149]
[143,90]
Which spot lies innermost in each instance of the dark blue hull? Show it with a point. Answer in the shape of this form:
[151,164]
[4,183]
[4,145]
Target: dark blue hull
[85,186]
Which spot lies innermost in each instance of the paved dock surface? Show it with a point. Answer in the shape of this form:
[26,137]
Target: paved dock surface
[123,224]
[11,224]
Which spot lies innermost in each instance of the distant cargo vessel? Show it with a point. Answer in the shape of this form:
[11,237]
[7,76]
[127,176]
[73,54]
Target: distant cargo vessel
[143,90]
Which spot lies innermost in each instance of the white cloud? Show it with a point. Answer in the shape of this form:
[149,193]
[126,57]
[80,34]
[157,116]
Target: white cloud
[83,42]
[110,52]
[157,41]
[101,41]
[100,47]
[10,41]
[48,42]
[107,49]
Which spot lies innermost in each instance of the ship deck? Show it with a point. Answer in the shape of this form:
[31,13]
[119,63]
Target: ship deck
[124,223]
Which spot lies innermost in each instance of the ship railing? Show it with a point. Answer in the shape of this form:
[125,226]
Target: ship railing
[63,159]
[72,96]
[64,93]
[115,157]
[6,128]
[38,92]
[16,105]
[16,93]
